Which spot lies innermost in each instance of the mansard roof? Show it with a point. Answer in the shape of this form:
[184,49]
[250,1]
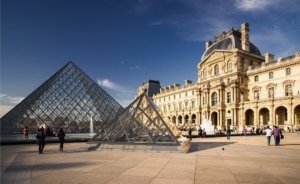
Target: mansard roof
[228,41]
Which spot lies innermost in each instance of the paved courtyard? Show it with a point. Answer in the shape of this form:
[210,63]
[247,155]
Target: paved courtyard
[243,160]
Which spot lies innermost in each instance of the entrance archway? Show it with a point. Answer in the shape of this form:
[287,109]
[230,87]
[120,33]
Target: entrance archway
[194,119]
[186,119]
[214,119]
[281,115]
[264,116]
[180,120]
[249,114]
[297,115]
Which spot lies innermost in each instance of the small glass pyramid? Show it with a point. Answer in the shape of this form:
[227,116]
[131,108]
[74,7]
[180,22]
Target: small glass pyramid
[139,123]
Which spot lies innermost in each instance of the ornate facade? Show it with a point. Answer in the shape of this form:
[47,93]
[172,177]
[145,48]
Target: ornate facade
[236,86]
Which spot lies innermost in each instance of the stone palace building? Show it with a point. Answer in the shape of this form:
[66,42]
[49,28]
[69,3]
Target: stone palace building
[237,86]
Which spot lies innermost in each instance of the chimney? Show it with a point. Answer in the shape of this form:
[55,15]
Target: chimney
[245,36]
[269,58]
[207,45]
[187,82]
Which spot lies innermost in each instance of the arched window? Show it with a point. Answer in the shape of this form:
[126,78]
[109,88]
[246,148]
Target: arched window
[229,66]
[214,99]
[288,71]
[216,69]
[271,75]
[204,74]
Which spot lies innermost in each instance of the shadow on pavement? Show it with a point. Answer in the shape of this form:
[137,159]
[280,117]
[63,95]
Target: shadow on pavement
[200,146]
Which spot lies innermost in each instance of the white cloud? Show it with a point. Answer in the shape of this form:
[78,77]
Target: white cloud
[275,41]
[4,109]
[2,95]
[11,100]
[15,100]
[253,5]
[134,67]
[123,95]
[8,102]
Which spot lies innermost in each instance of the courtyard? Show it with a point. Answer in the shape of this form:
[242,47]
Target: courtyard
[243,160]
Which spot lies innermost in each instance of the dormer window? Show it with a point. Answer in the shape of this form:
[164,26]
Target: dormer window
[256,78]
[216,70]
[229,66]
[271,75]
[204,74]
[288,71]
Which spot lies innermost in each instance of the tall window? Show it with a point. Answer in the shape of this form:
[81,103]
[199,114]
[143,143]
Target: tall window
[288,71]
[180,105]
[169,108]
[256,78]
[214,99]
[288,89]
[216,69]
[256,94]
[271,92]
[228,80]
[186,105]
[228,97]
[204,100]
[204,74]
[229,66]
[193,104]
[186,94]
[271,75]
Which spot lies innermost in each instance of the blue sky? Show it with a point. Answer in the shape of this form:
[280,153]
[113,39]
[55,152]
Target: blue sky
[121,43]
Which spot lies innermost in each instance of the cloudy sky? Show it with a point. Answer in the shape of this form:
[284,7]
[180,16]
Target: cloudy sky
[121,43]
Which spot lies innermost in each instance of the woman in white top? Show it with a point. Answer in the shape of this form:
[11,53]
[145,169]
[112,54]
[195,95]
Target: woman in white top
[268,134]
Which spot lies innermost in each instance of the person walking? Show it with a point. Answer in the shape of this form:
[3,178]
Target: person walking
[40,137]
[61,137]
[25,132]
[190,133]
[244,130]
[228,132]
[268,135]
[200,132]
[276,134]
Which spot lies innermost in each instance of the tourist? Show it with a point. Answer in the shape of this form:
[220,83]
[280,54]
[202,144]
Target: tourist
[276,133]
[40,137]
[61,137]
[228,132]
[268,134]
[244,131]
[190,133]
[200,132]
[204,133]
[25,132]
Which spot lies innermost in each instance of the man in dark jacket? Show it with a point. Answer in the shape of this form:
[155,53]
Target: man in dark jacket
[61,137]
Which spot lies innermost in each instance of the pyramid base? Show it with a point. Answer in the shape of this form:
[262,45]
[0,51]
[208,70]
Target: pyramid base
[143,147]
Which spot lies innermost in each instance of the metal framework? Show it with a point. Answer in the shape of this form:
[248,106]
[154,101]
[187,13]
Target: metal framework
[139,123]
[69,99]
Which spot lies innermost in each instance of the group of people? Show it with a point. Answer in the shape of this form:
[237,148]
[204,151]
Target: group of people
[276,132]
[41,136]
[201,133]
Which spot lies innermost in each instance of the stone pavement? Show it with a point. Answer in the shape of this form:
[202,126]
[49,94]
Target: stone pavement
[243,160]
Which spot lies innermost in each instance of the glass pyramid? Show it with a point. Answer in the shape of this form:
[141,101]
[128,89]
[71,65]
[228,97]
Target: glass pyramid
[69,99]
[139,123]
